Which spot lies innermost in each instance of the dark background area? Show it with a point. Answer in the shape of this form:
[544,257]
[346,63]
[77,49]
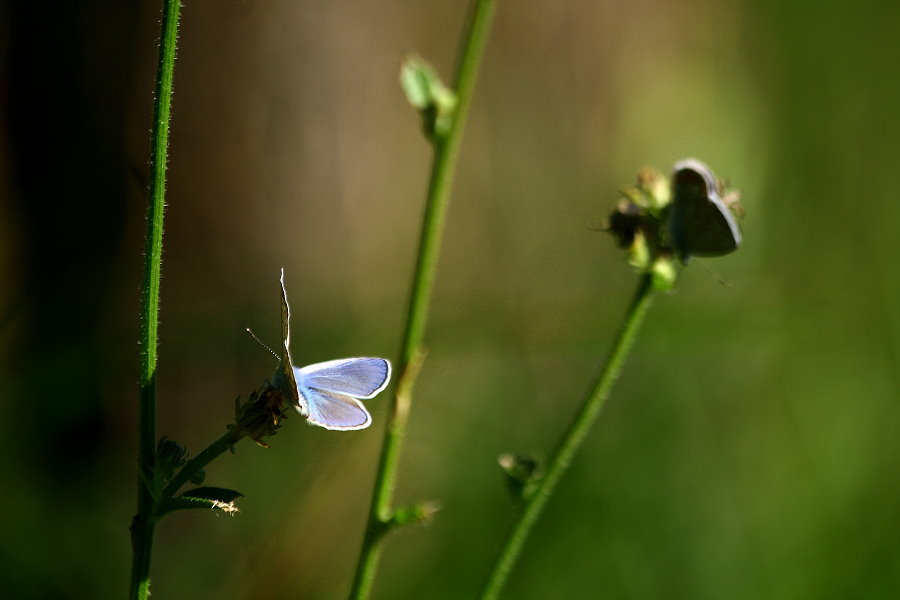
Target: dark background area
[750,449]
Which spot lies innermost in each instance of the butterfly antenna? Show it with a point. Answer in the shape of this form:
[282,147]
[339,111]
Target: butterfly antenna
[260,342]
[722,281]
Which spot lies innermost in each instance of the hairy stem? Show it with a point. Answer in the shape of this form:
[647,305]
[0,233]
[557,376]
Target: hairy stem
[571,441]
[143,524]
[446,150]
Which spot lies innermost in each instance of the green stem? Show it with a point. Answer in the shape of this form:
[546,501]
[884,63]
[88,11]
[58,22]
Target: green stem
[571,441]
[144,523]
[446,150]
[225,442]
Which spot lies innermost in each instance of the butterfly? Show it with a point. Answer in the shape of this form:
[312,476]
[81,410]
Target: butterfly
[699,221]
[328,394]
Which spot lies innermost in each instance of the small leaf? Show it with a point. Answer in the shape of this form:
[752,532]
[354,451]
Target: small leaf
[522,474]
[189,503]
[203,497]
[419,513]
[415,79]
[170,456]
[212,493]
[654,189]
[426,93]
[665,274]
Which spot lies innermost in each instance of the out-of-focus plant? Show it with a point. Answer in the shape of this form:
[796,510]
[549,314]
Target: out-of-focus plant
[659,223]
[443,110]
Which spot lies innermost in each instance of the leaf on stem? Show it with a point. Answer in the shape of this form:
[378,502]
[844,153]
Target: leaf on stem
[422,512]
[170,456]
[203,497]
[522,475]
[426,93]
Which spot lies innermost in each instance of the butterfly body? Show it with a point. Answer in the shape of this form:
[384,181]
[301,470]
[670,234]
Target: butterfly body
[328,394]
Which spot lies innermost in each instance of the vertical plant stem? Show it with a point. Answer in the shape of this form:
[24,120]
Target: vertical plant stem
[143,524]
[446,150]
[571,441]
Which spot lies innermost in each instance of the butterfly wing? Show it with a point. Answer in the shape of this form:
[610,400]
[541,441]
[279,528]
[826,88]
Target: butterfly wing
[330,391]
[334,411]
[699,222]
[355,377]
[284,379]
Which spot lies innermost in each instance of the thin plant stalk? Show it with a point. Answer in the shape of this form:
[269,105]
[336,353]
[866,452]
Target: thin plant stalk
[225,442]
[571,440]
[143,525]
[446,150]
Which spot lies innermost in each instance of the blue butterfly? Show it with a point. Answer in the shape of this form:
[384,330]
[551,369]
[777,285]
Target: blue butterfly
[699,222]
[328,394]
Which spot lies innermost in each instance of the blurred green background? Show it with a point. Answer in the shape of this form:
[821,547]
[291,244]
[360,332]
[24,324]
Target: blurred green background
[750,449]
